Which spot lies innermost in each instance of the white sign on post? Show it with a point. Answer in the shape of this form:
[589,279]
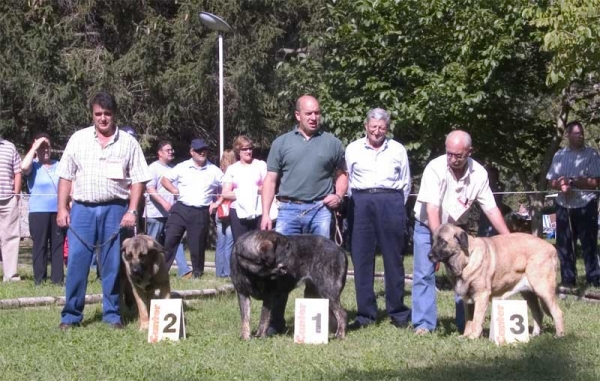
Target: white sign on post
[311,322]
[166,320]
[509,321]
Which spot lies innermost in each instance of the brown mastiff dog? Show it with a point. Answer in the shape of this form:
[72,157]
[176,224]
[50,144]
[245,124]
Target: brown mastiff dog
[499,266]
[146,271]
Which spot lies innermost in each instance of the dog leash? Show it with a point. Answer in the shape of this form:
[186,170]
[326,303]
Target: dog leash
[96,248]
[305,212]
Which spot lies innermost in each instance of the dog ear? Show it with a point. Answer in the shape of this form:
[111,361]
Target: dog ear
[125,244]
[463,241]
[153,245]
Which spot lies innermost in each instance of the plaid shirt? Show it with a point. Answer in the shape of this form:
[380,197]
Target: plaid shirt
[584,162]
[10,163]
[85,162]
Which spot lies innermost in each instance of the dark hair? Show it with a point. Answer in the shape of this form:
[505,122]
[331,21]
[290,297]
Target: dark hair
[573,124]
[105,100]
[162,144]
[40,135]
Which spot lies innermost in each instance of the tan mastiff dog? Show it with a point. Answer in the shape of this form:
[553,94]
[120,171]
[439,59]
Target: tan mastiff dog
[499,266]
[146,270]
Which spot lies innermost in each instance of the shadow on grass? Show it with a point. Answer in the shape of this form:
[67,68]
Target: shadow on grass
[543,358]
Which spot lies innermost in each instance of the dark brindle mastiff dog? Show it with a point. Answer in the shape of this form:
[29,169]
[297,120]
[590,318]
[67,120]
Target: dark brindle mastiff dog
[146,270]
[499,266]
[265,264]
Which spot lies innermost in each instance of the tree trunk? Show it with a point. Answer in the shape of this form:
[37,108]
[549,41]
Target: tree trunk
[537,199]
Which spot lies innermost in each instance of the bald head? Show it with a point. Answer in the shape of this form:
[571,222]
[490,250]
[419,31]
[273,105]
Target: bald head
[458,149]
[308,114]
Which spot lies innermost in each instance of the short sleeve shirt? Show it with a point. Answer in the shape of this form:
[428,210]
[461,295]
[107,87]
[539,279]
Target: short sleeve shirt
[306,167]
[10,163]
[246,180]
[566,162]
[198,186]
[102,174]
[454,197]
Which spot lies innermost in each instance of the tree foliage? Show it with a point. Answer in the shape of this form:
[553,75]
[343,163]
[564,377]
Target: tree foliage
[155,56]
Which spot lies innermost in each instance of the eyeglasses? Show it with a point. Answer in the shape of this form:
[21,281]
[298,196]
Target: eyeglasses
[246,149]
[457,156]
[169,150]
[202,151]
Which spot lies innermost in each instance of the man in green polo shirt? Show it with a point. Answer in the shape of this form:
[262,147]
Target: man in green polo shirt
[307,161]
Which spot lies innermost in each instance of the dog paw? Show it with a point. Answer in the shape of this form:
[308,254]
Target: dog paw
[144,326]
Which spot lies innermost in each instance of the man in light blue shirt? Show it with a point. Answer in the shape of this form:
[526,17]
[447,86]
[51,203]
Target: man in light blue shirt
[198,181]
[379,179]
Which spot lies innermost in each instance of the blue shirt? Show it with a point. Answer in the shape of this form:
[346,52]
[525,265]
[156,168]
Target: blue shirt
[43,187]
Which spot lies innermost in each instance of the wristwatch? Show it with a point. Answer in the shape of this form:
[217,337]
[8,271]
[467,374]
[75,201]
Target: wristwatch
[133,211]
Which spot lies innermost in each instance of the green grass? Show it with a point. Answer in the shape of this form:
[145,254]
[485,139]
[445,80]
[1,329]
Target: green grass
[33,348]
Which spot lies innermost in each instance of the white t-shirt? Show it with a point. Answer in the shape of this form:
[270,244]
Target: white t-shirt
[246,180]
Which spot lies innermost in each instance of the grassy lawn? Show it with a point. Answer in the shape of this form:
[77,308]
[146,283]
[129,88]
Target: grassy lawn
[33,347]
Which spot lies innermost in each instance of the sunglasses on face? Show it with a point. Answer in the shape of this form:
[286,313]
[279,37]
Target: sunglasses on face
[246,149]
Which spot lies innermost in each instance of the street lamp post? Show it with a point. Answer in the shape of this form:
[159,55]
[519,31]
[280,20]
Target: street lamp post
[216,23]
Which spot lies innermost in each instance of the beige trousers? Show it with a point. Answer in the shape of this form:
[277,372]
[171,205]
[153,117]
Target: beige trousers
[10,236]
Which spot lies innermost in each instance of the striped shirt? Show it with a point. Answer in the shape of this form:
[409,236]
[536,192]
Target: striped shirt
[10,163]
[384,168]
[584,162]
[102,174]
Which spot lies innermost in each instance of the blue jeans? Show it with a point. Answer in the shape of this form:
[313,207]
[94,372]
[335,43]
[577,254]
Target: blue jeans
[224,247]
[424,309]
[95,224]
[291,221]
[155,228]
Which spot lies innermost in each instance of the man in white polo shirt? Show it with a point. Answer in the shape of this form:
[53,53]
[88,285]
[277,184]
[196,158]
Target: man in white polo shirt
[198,181]
[449,186]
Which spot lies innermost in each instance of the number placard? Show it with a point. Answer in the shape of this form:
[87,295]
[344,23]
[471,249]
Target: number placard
[509,321]
[166,320]
[311,323]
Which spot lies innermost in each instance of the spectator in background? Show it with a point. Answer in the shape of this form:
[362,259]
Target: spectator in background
[244,179]
[224,231]
[198,182]
[575,172]
[159,202]
[10,188]
[42,181]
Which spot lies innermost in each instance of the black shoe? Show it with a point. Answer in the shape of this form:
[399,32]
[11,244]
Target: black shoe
[356,324]
[197,275]
[568,284]
[272,331]
[399,324]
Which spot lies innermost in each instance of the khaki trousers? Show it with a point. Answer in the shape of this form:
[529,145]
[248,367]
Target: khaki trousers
[10,235]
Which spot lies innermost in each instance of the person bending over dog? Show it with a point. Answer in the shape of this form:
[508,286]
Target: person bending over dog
[449,186]
[307,160]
